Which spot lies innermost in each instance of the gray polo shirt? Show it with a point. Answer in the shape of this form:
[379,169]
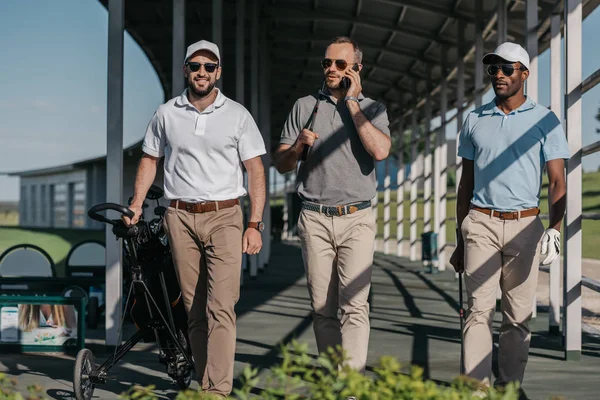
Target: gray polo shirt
[338,169]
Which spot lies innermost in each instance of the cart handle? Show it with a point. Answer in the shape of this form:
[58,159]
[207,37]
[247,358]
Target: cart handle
[93,212]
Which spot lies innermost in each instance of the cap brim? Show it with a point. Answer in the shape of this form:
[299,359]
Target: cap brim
[489,58]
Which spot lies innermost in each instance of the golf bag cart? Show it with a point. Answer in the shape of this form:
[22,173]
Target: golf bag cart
[154,302]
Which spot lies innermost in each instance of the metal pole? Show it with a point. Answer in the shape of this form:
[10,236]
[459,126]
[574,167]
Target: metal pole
[254,100]
[501,22]
[240,33]
[531,22]
[217,31]
[400,180]
[441,167]
[572,259]
[114,168]
[555,101]
[264,120]
[478,52]
[427,158]
[177,79]
[460,99]
[386,208]
[413,183]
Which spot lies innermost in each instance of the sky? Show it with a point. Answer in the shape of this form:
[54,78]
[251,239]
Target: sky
[53,62]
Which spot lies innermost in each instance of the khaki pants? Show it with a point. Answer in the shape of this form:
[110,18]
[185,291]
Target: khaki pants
[505,252]
[338,259]
[207,252]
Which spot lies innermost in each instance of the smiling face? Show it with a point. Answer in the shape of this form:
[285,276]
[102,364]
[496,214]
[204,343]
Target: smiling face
[202,82]
[507,78]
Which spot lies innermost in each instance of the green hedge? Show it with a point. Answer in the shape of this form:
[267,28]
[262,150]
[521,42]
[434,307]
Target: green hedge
[299,376]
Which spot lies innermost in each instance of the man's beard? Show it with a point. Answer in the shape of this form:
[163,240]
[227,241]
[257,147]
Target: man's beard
[204,92]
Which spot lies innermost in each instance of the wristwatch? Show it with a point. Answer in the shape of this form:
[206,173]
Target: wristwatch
[259,226]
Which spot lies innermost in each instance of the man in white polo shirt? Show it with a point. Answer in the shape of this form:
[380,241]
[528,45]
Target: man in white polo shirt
[204,137]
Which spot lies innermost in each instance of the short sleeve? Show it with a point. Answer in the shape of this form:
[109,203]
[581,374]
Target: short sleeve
[291,127]
[155,138]
[555,143]
[466,148]
[380,119]
[251,143]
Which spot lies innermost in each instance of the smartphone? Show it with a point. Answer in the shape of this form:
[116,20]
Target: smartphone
[345,83]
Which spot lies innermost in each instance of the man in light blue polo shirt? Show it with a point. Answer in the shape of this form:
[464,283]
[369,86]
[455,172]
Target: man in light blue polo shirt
[505,146]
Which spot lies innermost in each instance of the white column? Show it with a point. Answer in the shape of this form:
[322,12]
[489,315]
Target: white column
[531,23]
[177,78]
[427,159]
[555,102]
[478,52]
[413,184]
[240,34]
[386,208]
[572,259]
[441,157]
[114,168]
[217,31]
[400,195]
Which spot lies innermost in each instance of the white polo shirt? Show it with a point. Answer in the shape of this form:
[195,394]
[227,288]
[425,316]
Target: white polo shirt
[203,150]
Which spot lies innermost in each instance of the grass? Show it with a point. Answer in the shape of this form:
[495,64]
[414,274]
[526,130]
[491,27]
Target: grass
[56,242]
[590,204]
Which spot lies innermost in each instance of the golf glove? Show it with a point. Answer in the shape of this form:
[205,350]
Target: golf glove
[550,246]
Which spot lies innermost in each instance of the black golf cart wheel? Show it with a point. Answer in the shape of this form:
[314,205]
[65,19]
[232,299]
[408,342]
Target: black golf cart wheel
[183,382]
[84,365]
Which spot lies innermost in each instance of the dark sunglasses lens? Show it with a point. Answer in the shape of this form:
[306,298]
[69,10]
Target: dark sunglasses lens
[508,69]
[492,70]
[326,63]
[194,66]
[341,64]
[210,67]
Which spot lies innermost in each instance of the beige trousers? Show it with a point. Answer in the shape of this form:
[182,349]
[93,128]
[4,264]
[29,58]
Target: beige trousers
[338,259]
[207,252]
[505,252]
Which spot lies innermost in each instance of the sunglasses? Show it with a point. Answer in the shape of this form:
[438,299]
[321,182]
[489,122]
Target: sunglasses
[195,66]
[507,69]
[340,64]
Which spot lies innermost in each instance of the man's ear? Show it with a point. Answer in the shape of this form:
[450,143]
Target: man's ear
[185,72]
[524,75]
[219,72]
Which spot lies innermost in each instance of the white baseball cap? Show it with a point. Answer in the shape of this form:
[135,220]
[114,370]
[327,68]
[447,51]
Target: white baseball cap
[510,52]
[202,45]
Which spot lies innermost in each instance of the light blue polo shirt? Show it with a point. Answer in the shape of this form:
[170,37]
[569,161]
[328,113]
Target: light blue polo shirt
[509,153]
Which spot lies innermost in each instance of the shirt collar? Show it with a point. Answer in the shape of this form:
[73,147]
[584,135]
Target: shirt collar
[492,108]
[326,92]
[182,100]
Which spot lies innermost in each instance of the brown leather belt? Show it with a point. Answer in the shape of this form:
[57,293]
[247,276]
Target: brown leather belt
[509,214]
[203,207]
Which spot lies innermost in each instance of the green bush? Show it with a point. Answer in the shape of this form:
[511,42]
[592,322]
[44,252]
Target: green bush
[8,390]
[300,377]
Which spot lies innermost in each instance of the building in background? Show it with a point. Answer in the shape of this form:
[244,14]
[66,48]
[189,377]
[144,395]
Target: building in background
[59,197]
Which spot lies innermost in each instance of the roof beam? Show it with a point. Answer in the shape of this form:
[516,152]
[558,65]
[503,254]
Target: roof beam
[430,7]
[283,13]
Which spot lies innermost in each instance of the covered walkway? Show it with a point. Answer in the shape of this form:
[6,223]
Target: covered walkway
[414,318]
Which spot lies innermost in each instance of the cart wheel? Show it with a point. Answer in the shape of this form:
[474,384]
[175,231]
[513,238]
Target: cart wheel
[84,365]
[183,382]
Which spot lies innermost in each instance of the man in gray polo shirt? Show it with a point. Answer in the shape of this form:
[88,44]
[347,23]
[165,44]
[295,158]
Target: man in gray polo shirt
[204,137]
[337,183]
